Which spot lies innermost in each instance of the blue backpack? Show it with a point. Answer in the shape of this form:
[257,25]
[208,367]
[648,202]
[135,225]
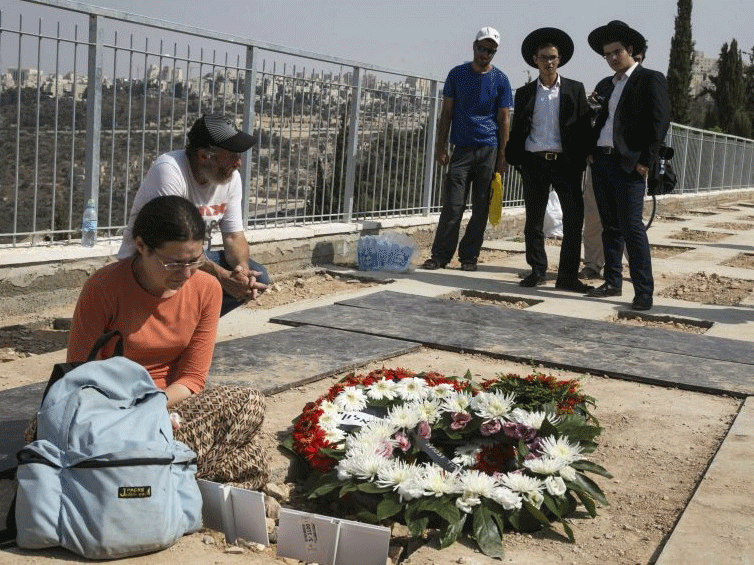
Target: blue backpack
[105,478]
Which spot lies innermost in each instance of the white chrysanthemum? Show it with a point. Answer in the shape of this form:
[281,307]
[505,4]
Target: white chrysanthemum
[410,489]
[568,473]
[394,473]
[492,405]
[364,464]
[384,389]
[328,407]
[335,435]
[506,498]
[441,391]
[380,428]
[412,388]
[532,419]
[466,503]
[436,481]
[544,465]
[466,454]
[351,399]
[328,421]
[457,402]
[406,416]
[430,411]
[476,484]
[555,486]
[522,484]
[561,448]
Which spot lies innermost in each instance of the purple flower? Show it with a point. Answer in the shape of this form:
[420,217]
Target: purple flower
[516,430]
[403,442]
[490,427]
[424,430]
[460,419]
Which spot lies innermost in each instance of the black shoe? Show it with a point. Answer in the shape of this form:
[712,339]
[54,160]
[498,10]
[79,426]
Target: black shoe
[642,302]
[532,280]
[574,285]
[604,290]
[431,265]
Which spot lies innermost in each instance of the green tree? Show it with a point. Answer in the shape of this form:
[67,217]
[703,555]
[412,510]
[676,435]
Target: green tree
[679,67]
[730,92]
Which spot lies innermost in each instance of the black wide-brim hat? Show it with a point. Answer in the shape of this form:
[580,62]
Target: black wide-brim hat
[616,31]
[544,35]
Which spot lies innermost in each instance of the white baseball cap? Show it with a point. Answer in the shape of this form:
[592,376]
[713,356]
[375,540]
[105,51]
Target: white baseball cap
[488,33]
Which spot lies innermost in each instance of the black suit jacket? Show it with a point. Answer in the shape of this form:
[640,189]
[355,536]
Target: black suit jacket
[642,117]
[574,118]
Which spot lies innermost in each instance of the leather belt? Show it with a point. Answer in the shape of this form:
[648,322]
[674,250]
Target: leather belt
[604,150]
[548,155]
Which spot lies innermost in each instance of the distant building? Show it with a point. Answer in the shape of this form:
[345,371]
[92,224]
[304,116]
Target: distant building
[701,71]
[25,78]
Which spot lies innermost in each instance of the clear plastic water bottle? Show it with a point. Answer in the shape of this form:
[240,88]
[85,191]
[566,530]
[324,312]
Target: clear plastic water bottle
[89,225]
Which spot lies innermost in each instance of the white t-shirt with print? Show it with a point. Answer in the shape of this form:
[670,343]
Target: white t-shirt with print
[170,174]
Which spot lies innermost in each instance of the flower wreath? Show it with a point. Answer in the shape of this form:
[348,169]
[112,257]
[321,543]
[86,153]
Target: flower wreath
[430,451]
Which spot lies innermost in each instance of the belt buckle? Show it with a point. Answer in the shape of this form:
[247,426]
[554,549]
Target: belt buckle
[550,156]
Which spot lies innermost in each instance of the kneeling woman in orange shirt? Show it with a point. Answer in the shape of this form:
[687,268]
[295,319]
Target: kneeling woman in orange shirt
[167,311]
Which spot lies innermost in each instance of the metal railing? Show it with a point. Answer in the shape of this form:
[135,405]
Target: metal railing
[706,160]
[83,115]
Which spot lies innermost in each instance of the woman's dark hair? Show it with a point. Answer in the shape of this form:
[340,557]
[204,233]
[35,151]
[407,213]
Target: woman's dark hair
[168,218]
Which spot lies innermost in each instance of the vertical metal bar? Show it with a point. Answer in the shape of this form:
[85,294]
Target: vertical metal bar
[55,138]
[159,98]
[429,155]
[74,99]
[18,128]
[93,111]
[145,93]
[36,136]
[173,84]
[126,210]
[249,96]
[113,124]
[352,152]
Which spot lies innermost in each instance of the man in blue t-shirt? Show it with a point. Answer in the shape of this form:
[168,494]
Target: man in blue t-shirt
[477,99]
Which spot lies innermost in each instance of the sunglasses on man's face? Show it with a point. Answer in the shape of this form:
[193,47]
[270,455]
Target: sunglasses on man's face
[485,51]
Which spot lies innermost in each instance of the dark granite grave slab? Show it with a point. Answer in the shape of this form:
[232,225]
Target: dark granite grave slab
[276,361]
[531,341]
[605,333]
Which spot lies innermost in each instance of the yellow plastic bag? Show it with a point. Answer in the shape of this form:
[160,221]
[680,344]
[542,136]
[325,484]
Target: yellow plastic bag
[496,200]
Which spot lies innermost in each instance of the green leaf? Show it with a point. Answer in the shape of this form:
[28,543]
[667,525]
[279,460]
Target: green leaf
[450,531]
[417,525]
[548,429]
[322,484]
[568,531]
[536,513]
[348,487]
[590,487]
[371,488]
[587,502]
[388,506]
[551,505]
[486,532]
[367,516]
[585,465]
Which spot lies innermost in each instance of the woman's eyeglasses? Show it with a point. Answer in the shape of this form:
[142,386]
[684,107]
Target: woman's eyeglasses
[181,265]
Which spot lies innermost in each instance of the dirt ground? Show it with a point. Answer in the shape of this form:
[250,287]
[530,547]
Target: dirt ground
[657,442]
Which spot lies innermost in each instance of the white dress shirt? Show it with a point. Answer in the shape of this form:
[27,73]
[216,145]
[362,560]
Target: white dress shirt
[606,135]
[545,121]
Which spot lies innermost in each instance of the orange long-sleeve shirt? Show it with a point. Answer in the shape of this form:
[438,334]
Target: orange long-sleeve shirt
[173,338]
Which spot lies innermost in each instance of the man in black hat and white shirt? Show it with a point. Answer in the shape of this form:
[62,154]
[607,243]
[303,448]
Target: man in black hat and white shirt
[628,133]
[548,144]
[206,173]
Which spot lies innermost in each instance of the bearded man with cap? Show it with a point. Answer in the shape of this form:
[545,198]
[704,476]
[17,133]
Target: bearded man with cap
[476,99]
[628,133]
[548,144]
[206,173]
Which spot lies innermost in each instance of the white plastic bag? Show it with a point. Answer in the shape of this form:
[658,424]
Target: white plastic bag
[553,224]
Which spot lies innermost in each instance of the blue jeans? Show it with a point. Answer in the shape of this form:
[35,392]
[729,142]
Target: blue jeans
[231,302]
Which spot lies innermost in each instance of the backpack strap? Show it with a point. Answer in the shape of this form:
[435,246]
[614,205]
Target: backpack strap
[60,369]
[102,340]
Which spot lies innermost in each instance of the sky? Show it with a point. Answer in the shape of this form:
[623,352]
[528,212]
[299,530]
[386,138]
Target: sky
[430,37]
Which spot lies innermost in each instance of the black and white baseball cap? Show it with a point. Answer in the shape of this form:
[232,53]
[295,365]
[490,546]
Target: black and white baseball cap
[217,130]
